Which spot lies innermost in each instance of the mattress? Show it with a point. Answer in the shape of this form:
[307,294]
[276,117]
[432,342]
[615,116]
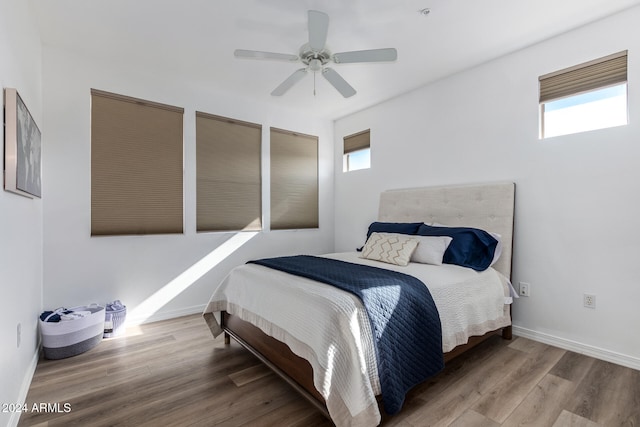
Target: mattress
[329,327]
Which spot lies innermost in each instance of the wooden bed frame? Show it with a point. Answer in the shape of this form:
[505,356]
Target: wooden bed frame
[486,206]
[294,369]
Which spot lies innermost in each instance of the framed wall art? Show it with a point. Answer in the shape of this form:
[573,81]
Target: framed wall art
[22,148]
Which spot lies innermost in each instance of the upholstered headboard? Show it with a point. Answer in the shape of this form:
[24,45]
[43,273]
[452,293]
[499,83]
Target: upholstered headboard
[486,206]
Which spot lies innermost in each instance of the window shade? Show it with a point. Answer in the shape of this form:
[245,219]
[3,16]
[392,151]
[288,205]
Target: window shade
[357,141]
[228,174]
[136,166]
[599,73]
[294,180]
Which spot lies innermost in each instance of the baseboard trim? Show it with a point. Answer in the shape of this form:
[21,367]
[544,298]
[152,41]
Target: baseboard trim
[165,315]
[598,353]
[26,383]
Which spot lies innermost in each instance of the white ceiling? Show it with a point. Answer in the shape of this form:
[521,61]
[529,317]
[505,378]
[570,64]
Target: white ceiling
[195,39]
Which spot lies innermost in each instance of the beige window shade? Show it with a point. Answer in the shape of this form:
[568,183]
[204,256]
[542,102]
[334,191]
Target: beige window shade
[357,141]
[294,180]
[136,166]
[228,174]
[599,73]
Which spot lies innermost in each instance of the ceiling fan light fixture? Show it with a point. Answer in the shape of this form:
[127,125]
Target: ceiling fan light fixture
[315,65]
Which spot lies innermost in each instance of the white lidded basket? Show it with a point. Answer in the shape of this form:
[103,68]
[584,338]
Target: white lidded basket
[68,338]
[115,316]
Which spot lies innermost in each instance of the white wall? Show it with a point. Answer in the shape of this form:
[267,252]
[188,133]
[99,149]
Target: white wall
[20,217]
[79,269]
[577,196]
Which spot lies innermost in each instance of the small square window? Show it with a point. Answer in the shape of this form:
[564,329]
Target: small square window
[357,151]
[586,97]
[356,160]
[599,109]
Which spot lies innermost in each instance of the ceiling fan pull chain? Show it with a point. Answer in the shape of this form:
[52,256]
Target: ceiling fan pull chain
[314,83]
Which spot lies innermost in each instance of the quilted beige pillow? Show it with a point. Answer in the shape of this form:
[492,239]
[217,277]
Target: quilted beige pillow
[390,248]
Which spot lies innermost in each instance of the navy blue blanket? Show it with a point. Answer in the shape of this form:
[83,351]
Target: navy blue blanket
[404,319]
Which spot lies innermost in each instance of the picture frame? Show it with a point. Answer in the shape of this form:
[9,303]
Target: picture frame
[22,148]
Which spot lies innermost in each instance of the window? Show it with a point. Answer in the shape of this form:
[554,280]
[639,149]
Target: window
[228,174]
[294,180]
[586,97]
[357,151]
[136,166]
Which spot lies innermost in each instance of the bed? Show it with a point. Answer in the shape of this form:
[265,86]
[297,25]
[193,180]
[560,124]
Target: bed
[314,335]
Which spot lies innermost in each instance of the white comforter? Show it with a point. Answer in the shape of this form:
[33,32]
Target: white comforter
[329,327]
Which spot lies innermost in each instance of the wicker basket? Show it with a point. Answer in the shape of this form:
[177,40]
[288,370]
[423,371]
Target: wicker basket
[68,338]
[114,319]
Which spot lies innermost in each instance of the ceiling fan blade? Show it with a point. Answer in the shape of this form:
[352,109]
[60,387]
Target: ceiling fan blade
[338,82]
[373,55]
[318,28]
[289,82]
[256,54]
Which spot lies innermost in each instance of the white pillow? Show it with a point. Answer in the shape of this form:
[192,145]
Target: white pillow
[498,251]
[390,248]
[430,249]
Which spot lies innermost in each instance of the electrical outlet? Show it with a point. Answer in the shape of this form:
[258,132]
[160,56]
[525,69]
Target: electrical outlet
[18,334]
[589,300]
[525,290]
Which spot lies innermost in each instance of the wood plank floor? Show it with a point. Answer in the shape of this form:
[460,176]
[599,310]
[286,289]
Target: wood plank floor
[173,373]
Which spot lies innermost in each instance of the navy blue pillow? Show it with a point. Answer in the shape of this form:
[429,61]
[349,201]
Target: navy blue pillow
[470,247]
[394,227]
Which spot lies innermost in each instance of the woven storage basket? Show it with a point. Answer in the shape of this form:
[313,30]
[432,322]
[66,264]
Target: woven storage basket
[68,338]
[114,321]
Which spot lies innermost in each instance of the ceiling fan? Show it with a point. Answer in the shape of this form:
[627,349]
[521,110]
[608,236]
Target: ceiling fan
[315,56]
